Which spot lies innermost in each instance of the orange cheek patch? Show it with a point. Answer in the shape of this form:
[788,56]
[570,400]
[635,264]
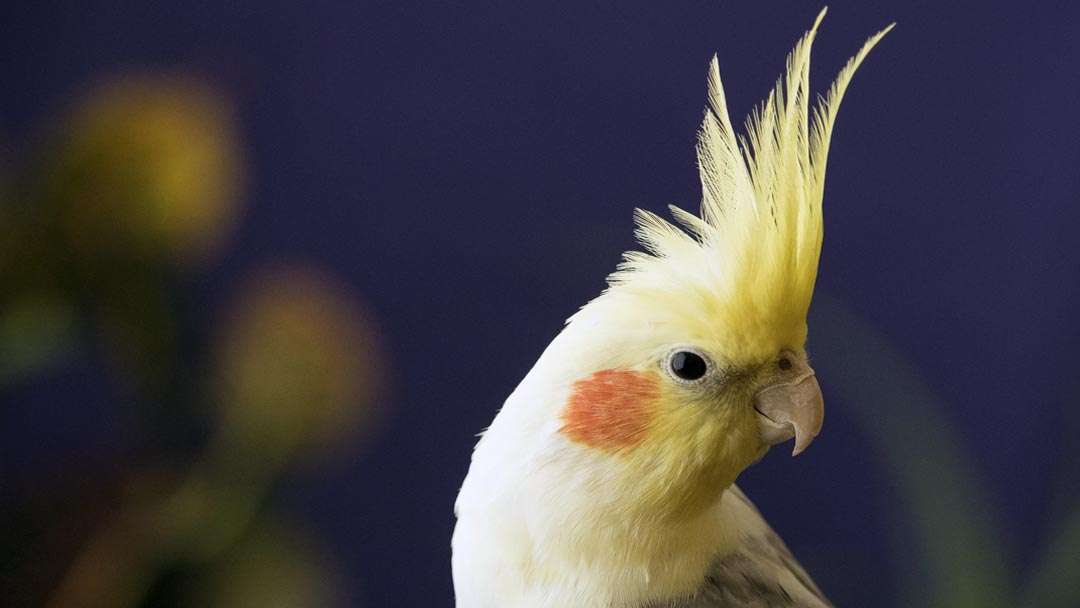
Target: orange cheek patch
[611,409]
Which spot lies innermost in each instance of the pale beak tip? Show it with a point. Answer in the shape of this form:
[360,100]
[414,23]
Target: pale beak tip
[803,441]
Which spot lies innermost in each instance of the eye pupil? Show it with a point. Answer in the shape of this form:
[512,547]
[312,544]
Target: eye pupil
[688,365]
[784,363]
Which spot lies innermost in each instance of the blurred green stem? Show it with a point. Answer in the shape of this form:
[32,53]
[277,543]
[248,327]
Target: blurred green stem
[204,515]
[1055,582]
[961,555]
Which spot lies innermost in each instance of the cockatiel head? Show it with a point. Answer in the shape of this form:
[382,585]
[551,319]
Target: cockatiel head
[662,390]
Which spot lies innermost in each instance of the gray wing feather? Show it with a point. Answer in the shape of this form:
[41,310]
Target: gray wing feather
[760,573]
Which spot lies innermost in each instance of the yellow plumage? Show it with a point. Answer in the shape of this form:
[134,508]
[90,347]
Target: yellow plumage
[749,262]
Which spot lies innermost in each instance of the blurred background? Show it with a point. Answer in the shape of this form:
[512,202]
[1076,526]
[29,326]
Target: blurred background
[267,268]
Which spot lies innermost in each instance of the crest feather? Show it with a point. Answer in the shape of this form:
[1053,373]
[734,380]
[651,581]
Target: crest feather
[756,243]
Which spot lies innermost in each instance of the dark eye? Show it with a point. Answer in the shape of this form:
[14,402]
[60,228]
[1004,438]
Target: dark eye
[687,365]
[784,363]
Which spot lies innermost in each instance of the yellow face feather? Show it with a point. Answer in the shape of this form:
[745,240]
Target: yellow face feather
[735,282]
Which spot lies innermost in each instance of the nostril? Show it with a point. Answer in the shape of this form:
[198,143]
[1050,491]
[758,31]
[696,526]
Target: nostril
[784,363]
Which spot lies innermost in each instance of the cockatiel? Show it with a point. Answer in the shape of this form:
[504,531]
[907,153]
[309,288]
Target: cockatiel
[607,478]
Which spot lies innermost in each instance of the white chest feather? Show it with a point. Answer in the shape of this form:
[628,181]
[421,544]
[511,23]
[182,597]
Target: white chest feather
[539,525]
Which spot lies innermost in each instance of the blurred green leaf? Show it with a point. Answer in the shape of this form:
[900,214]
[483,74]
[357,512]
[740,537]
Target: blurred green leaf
[960,561]
[276,566]
[1055,582]
[35,331]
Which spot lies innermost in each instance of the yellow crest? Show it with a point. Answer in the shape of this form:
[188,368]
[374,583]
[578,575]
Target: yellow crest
[742,273]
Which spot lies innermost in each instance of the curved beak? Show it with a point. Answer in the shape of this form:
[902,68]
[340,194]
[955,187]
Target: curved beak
[789,409]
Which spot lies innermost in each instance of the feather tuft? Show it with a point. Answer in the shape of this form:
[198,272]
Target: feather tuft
[752,253]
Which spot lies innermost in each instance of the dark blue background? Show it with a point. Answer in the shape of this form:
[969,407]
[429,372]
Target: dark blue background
[471,168]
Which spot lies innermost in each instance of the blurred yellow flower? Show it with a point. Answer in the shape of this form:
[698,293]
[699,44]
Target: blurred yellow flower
[149,165]
[299,363]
